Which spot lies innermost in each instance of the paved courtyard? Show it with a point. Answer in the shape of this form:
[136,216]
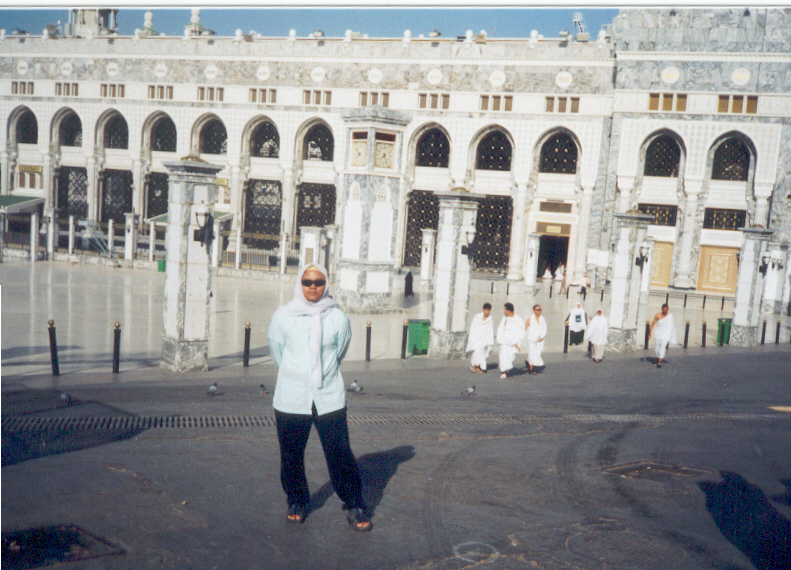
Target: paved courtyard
[618,465]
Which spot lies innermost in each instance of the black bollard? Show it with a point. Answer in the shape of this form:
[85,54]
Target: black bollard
[602,296]
[722,307]
[566,339]
[53,348]
[685,300]
[567,292]
[507,288]
[686,335]
[368,342]
[703,340]
[667,298]
[246,357]
[403,340]
[647,329]
[492,291]
[704,302]
[763,333]
[777,332]
[550,290]
[117,348]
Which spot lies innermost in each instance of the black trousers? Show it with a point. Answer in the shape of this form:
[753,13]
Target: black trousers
[293,431]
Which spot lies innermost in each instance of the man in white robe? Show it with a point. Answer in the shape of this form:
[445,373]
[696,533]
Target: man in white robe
[578,321]
[536,330]
[481,339]
[510,335]
[663,329]
[597,334]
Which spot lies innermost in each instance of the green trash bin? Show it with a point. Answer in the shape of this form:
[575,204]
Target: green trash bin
[723,331]
[161,265]
[418,333]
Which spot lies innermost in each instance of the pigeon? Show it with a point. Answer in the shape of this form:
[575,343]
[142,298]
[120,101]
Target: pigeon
[212,389]
[355,388]
[64,397]
[263,389]
[353,385]
[435,33]
[469,391]
[318,33]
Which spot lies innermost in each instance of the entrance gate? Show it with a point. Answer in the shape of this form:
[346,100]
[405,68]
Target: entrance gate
[73,192]
[263,201]
[157,194]
[316,205]
[117,199]
[423,214]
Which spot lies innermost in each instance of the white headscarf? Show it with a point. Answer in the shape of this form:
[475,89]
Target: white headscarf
[299,305]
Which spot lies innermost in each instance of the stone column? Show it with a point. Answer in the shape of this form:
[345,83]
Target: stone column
[330,249]
[625,187]
[772,298]
[92,191]
[71,235]
[53,233]
[2,233]
[110,237]
[130,236]
[786,298]
[458,211]
[185,342]
[310,246]
[749,286]
[215,246]
[427,256]
[46,181]
[5,173]
[531,261]
[34,237]
[763,193]
[627,277]
[138,194]
[648,263]
[684,278]
[583,226]
[518,230]
[152,240]
[237,256]
[286,217]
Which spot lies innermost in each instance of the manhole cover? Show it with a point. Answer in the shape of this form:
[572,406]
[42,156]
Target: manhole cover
[654,471]
[35,547]
[626,549]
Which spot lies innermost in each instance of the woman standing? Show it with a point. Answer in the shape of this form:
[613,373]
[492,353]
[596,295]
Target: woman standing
[308,338]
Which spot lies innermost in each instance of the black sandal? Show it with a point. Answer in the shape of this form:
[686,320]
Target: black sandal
[296,514]
[359,520]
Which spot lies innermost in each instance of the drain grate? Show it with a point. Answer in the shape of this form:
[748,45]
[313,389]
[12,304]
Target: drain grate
[654,471]
[36,547]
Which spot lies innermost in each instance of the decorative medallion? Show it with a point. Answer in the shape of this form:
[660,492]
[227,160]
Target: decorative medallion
[318,74]
[740,76]
[497,78]
[263,73]
[563,79]
[375,75]
[434,76]
[66,68]
[112,69]
[161,70]
[670,75]
[22,67]
[211,71]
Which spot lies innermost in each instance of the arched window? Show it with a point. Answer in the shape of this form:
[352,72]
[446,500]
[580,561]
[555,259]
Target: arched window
[433,149]
[318,144]
[559,155]
[494,152]
[70,131]
[27,128]
[662,157]
[116,133]
[163,136]
[265,141]
[731,161]
[214,138]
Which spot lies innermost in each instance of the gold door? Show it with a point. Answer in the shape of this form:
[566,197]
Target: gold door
[718,269]
[660,268]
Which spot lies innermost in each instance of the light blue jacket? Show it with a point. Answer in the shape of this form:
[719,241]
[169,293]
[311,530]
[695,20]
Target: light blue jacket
[288,345]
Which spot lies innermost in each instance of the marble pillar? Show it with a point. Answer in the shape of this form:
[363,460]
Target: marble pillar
[772,298]
[286,217]
[2,232]
[583,227]
[71,235]
[427,256]
[53,232]
[311,248]
[110,237]
[130,236]
[684,278]
[92,190]
[630,264]
[34,237]
[458,211]
[185,342]
[5,173]
[152,240]
[47,176]
[645,283]
[786,298]
[518,230]
[749,286]
[531,261]
[331,249]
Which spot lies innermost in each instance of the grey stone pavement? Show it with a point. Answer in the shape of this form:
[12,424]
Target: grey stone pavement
[618,465]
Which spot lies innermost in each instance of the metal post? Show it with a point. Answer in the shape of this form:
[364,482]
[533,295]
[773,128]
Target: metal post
[246,362]
[567,292]
[117,348]
[686,335]
[763,333]
[53,348]
[704,302]
[647,332]
[507,289]
[722,307]
[492,291]
[403,340]
[667,298]
[685,300]
[368,342]
[703,340]
[777,332]
[550,290]
[602,296]
[566,339]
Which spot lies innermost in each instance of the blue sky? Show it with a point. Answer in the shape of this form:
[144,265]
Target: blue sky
[376,22]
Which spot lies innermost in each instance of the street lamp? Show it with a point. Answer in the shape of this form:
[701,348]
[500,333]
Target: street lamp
[469,249]
[643,257]
[205,222]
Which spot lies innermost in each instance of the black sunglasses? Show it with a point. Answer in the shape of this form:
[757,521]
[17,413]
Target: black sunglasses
[316,282]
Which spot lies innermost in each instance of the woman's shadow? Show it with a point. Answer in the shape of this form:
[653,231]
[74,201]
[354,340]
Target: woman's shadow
[376,470]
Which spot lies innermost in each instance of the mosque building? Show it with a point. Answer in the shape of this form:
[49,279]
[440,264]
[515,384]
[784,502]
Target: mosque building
[682,114]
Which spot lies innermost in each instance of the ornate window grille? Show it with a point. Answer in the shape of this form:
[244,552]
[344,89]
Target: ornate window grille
[263,202]
[116,133]
[663,215]
[493,240]
[157,194]
[559,155]
[265,141]
[71,131]
[73,192]
[423,214]
[731,161]
[27,129]
[117,195]
[722,219]
[163,136]
[214,138]
[494,152]
[318,144]
[662,157]
[433,149]
[316,206]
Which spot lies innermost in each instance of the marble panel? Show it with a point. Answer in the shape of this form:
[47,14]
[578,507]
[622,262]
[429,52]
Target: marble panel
[184,356]
[352,230]
[622,340]
[744,335]
[447,345]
